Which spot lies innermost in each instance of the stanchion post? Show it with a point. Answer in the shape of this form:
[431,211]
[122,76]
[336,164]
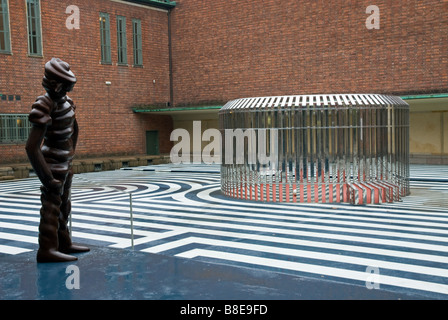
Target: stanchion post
[132,221]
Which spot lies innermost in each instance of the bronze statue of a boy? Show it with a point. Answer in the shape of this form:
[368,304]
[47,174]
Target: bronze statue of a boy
[50,148]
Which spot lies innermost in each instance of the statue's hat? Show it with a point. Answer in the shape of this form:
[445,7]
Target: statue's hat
[58,70]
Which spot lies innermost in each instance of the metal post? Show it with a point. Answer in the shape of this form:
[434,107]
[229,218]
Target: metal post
[70,215]
[132,221]
[121,191]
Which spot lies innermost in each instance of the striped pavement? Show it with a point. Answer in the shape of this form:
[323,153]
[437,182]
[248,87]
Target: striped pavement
[179,211]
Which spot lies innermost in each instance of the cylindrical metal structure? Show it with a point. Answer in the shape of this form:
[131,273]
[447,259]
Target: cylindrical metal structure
[316,148]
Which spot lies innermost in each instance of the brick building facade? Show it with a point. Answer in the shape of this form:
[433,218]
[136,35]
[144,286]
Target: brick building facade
[105,92]
[197,55]
[230,49]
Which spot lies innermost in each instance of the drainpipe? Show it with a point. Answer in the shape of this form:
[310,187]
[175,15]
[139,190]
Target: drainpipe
[170,53]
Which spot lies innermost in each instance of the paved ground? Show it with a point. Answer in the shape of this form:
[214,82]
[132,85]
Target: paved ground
[190,242]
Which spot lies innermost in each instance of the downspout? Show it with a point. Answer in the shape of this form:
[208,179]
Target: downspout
[170,53]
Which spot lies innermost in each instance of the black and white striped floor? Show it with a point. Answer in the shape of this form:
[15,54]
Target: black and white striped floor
[179,211]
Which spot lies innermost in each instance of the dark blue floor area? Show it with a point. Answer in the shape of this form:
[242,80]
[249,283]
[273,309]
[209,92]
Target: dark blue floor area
[106,273]
[192,243]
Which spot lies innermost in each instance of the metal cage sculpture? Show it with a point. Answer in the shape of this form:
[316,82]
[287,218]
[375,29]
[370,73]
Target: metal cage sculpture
[316,148]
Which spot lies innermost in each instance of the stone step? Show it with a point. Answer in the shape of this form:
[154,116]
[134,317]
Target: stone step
[22,171]
[4,178]
[6,171]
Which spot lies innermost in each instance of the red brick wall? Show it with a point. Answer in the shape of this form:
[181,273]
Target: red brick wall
[161,123]
[223,50]
[107,124]
[230,49]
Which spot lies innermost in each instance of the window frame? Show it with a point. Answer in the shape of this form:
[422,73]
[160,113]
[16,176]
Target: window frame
[106,52]
[137,42]
[14,128]
[122,49]
[6,32]
[34,22]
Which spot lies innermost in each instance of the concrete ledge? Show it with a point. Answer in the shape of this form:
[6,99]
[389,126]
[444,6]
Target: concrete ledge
[6,173]
[2,178]
[428,159]
[23,170]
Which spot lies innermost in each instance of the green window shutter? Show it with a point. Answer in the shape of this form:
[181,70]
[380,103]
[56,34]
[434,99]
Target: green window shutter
[105,38]
[121,40]
[137,40]
[34,28]
[5,37]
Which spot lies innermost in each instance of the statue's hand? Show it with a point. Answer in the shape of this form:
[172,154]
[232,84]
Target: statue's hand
[56,185]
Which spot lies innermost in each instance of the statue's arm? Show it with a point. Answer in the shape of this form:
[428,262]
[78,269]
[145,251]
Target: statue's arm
[75,134]
[37,159]
[75,125]
[40,118]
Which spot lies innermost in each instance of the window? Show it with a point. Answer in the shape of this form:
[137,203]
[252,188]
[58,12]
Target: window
[137,39]
[121,40]
[34,28]
[14,128]
[5,40]
[105,38]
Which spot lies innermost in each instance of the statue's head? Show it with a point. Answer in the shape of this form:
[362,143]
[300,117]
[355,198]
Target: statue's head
[58,79]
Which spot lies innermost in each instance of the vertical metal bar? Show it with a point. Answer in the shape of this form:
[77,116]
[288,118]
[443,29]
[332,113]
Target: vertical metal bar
[70,215]
[132,220]
[321,147]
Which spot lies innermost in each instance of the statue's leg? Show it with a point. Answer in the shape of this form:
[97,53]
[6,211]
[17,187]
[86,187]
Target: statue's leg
[65,242]
[48,228]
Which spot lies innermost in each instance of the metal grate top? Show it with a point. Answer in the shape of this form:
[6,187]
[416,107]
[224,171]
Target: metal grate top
[318,100]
